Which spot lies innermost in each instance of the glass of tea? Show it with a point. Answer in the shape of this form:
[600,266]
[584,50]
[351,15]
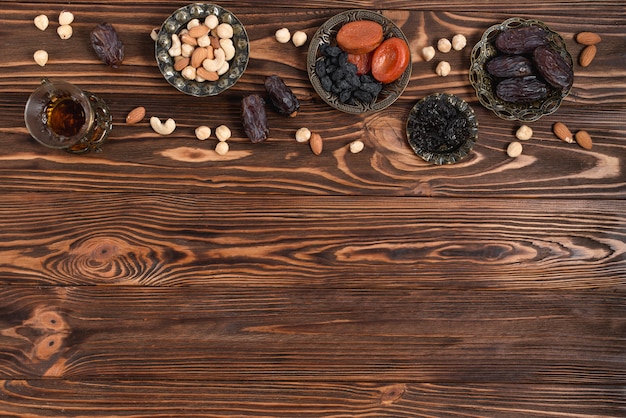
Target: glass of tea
[62,116]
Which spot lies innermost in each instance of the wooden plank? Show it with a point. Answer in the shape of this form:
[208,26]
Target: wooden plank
[136,159]
[52,397]
[255,240]
[234,333]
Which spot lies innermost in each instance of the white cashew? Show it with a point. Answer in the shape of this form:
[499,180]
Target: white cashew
[224,68]
[186,50]
[176,48]
[193,23]
[162,128]
[228,47]
[216,63]
[204,40]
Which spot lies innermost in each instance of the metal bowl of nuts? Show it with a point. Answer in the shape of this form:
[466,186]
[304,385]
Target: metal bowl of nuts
[359,61]
[202,49]
[521,69]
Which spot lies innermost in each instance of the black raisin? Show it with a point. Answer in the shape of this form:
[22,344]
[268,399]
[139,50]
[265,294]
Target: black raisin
[326,83]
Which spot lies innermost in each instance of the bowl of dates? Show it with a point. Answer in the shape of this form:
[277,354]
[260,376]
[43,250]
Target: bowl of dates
[521,70]
[442,128]
[359,62]
[202,49]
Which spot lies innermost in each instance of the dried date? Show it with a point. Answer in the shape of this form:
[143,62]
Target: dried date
[107,45]
[254,118]
[522,40]
[506,66]
[522,89]
[553,68]
[283,99]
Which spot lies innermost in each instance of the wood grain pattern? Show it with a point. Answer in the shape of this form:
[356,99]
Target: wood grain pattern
[158,279]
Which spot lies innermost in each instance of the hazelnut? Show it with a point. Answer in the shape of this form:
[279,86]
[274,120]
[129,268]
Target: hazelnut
[222,148]
[444,45]
[443,68]
[428,52]
[458,42]
[222,133]
[203,132]
[299,38]
[356,146]
[65,31]
[283,35]
[303,135]
[65,18]
[524,133]
[41,57]
[41,22]
[514,149]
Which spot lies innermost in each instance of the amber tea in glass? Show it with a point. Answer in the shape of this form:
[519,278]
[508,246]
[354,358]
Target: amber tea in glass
[60,115]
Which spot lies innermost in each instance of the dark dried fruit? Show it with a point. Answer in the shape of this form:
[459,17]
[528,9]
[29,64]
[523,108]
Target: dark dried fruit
[522,89]
[522,40]
[254,118]
[553,68]
[438,126]
[506,66]
[284,101]
[107,45]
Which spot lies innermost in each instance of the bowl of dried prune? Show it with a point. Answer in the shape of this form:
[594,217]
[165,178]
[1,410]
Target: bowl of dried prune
[202,49]
[521,69]
[359,61]
[442,128]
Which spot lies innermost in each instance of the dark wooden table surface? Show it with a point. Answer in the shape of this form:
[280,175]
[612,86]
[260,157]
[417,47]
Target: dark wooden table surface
[157,278]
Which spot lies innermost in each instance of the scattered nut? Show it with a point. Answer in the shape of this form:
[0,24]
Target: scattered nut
[180,62]
[282,35]
[428,52]
[299,38]
[316,143]
[514,149]
[66,18]
[524,133]
[188,72]
[562,132]
[65,31]
[203,132]
[136,115]
[41,22]
[193,23]
[444,45]
[162,128]
[303,135]
[176,48]
[222,133]
[222,148]
[584,139]
[443,68]
[587,55]
[154,34]
[458,42]
[41,57]
[588,38]
[356,146]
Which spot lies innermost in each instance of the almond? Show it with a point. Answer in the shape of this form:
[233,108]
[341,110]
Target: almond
[136,115]
[588,38]
[180,62]
[316,143]
[207,75]
[584,139]
[198,31]
[587,55]
[563,132]
[198,55]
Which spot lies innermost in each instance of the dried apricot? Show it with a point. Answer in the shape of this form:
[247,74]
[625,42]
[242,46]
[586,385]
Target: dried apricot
[390,60]
[363,62]
[360,36]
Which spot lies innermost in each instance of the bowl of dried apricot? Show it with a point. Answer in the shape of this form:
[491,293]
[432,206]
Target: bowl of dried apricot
[521,69]
[202,49]
[359,61]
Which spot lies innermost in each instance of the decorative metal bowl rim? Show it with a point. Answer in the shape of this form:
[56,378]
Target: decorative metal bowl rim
[483,82]
[451,157]
[179,19]
[326,33]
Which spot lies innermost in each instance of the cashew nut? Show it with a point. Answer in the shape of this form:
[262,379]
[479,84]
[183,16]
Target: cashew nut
[204,41]
[162,128]
[228,47]
[193,23]
[176,48]
[224,68]
[186,50]
[216,63]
